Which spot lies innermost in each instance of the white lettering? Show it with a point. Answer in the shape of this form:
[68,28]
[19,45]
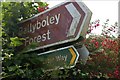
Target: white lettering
[48,35]
[43,23]
[47,21]
[26,41]
[61,58]
[57,18]
[44,37]
[38,25]
[30,30]
[52,20]
[32,27]
[39,38]
[31,40]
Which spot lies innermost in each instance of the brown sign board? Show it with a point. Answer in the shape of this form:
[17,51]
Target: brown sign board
[60,24]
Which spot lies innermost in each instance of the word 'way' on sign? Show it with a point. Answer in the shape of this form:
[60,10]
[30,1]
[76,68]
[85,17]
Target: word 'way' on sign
[59,58]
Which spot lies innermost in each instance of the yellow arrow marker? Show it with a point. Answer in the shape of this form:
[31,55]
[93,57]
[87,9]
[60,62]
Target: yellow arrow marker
[73,56]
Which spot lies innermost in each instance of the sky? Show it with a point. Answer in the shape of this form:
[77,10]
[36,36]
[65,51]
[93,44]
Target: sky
[107,9]
[101,9]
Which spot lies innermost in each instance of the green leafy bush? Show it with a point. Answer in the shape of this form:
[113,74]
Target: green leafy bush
[17,65]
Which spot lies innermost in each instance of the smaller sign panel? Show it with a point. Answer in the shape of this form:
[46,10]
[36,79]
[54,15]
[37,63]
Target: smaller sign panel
[61,58]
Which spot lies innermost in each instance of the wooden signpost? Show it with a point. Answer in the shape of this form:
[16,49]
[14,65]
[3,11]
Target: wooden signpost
[58,25]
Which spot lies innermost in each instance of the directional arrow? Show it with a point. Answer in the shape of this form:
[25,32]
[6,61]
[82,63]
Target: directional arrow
[59,58]
[73,55]
[76,18]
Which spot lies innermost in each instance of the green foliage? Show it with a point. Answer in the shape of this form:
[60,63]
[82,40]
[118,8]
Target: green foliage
[17,65]
[21,65]
[41,4]
[14,12]
[65,74]
[16,41]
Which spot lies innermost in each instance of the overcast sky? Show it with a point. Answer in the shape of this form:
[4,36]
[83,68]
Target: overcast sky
[107,9]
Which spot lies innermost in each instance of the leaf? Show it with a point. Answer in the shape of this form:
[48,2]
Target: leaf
[12,68]
[42,4]
[16,41]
